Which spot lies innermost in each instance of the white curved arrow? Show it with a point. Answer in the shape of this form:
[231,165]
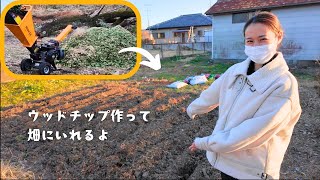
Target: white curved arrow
[154,62]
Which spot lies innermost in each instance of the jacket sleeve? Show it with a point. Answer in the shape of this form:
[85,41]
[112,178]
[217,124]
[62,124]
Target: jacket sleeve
[273,115]
[208,99]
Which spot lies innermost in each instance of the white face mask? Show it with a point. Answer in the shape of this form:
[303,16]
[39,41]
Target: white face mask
[261,54]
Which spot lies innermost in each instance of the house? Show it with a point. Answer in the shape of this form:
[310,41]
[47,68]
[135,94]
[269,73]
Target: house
[182,29]
[300,20]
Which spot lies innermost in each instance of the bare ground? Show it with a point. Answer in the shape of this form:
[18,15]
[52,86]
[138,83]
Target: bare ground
[138,150]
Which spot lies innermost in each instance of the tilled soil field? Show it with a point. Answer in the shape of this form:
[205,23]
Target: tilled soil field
[138,150]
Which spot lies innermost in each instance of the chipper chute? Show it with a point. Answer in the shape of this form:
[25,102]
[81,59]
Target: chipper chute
[42,56]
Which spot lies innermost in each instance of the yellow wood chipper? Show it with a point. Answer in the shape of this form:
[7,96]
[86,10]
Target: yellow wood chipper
[42,56]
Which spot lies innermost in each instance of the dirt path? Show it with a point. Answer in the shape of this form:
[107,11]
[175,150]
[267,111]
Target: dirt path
[138,149]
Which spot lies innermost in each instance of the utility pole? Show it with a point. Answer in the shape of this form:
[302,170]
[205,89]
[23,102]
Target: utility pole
[147,10]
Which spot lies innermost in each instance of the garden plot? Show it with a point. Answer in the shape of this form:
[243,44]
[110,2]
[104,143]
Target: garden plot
[141,150]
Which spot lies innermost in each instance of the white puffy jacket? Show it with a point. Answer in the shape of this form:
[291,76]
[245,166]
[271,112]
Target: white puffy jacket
[257,114]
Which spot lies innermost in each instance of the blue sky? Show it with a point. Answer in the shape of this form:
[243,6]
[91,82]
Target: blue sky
[157,11]
[4,3]
[162,10]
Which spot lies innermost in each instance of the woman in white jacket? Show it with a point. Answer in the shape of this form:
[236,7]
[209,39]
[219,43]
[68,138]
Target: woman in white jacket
[259,106]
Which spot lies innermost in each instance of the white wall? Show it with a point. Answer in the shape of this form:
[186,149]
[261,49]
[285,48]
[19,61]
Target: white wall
[227,38]
[302,34]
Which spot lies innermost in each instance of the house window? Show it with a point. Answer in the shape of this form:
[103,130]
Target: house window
[244,17]
[158,35]
[161,36]
[200,33]
[241,17]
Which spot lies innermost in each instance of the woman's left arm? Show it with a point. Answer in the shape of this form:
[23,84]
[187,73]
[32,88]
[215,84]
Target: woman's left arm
[269,120]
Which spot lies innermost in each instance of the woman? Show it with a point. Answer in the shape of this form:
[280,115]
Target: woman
[258,103]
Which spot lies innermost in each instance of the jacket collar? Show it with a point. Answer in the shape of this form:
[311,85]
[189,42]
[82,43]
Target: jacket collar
[263,77]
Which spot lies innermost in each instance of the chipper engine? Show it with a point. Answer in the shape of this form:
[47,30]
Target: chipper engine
[42,56]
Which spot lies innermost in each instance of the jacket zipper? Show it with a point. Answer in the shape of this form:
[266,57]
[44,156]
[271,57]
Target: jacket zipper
[234,102]
[264,175]
[242,87]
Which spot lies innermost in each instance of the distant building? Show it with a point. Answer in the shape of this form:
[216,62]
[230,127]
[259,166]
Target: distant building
[182,29]
[300,20]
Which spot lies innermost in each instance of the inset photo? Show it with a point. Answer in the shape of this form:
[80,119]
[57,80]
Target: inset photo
[70,39]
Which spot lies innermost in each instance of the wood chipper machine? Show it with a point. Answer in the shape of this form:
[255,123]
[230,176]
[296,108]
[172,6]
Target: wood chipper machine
[42,56]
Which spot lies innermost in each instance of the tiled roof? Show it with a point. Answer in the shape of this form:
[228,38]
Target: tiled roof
[184,21]
[227,6]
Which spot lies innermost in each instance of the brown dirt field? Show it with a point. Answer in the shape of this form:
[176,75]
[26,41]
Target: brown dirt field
[139,150]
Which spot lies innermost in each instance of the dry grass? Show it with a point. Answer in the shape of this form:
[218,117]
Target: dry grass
[9,171]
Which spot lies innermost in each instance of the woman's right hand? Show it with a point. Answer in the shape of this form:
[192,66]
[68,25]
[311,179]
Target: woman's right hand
[190,114]
[193,147]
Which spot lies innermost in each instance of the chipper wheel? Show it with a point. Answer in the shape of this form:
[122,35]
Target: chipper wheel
[26,65]
[45,68]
